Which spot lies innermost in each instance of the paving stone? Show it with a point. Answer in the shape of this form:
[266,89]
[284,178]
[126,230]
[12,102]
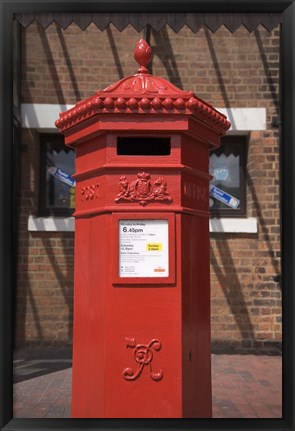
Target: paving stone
[243,386]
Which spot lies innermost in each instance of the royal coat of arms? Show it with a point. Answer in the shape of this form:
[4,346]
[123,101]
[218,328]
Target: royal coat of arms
[143,189]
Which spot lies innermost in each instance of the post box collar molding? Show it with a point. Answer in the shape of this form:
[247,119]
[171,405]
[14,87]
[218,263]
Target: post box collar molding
[143,93]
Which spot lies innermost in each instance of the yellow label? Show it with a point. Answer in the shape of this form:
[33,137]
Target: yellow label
[154,247]
[72,197]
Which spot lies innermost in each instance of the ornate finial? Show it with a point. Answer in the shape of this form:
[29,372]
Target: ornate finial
[143,55]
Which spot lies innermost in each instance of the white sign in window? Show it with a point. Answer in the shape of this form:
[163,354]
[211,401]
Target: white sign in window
[143,248]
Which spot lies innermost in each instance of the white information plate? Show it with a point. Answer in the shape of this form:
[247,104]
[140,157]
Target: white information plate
[143,248]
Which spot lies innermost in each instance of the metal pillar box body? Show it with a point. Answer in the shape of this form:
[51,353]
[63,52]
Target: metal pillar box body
[141,344]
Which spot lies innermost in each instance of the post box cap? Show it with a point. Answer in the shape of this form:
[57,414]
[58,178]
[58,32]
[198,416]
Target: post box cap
[143,93]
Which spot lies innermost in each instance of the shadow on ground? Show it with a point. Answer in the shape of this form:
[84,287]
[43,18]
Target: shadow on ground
[28,364]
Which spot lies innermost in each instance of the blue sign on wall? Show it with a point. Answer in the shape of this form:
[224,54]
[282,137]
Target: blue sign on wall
[224,197]
[62,176]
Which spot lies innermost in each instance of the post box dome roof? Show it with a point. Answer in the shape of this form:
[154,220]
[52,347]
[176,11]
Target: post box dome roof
[142,93]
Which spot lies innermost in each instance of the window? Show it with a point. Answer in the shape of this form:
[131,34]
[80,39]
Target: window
[57,188]
[228,168]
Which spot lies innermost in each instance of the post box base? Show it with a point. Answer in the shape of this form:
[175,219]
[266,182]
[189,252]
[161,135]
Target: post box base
[142,351]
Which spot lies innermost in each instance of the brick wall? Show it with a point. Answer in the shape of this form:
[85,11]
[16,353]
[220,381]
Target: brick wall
[227,70]
[45,270]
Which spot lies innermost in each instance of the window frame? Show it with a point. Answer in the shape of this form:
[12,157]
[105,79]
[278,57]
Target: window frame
[242,141]
[43,210]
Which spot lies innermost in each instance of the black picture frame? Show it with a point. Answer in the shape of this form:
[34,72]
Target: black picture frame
[7,234]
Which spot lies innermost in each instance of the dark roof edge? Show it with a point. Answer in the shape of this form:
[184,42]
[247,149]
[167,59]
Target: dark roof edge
[195,21]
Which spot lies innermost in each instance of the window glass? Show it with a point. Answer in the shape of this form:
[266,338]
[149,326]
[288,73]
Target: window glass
[57,188]
[227,187]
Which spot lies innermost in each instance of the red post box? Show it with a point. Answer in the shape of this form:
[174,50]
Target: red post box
[141,343]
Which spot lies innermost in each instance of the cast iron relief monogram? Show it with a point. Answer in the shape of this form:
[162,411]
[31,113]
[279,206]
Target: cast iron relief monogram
[143,190]
[143,355]
[89,192]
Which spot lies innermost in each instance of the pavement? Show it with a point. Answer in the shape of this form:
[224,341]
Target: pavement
[243,386]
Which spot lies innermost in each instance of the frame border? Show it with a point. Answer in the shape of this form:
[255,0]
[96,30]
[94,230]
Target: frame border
[287,102]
